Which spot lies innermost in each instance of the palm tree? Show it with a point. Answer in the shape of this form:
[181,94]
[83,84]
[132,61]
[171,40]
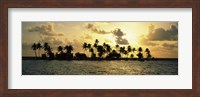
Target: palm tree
[96,45]
[108,48]
[34,47]
[60,49]
[66,48]
[46,46]
[96,41]
[92,52]
[49,52]
[69,49]
[140,55]
[147,50]
[117,47]
[140,49]
[101,50]
[133,50]
[39,46]
[126,53]
[104,45]
[148,53]
[129,49]
[122,50]
[132,56]
[85,46]
[89,46]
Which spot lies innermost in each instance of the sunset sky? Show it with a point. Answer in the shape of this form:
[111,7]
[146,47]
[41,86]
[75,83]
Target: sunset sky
[160,37]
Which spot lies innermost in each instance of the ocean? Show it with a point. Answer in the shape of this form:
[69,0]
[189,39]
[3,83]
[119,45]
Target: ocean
[103,67]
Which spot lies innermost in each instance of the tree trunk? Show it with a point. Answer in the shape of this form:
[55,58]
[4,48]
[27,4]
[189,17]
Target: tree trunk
[35,54]
[39,53]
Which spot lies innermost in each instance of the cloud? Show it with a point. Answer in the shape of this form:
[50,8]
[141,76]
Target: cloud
[90,26]
[95,29]
[118,34]
[27,50]
[121,41]
[170,46]
[60,34]
[108,41]
[26,45]
[77,44]
[45,29]
[87,36]
[52,40]
[60,25]
[48,34]
[145,41]
[160,34]
[57,41]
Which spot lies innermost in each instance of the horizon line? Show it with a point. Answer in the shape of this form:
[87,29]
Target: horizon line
[122,57]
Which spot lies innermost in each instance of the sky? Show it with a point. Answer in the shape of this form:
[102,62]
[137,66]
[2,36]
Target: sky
[160,37]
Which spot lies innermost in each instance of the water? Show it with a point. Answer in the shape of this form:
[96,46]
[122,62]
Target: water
[116,67]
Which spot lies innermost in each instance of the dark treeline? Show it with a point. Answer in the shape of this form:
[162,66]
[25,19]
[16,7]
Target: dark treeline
[96,52]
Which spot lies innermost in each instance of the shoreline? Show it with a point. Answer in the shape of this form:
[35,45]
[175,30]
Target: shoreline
[136,59]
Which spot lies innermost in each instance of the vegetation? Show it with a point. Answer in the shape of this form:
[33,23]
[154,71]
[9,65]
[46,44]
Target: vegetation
[95,52]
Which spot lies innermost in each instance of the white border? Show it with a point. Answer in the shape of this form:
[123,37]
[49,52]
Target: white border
[181,81]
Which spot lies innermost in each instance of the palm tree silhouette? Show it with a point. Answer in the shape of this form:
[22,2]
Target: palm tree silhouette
[88,46]
[148,53]
[49,52]
[133,50]
[39,46]
[96,41]
[85,46]
[68,49]
[34,47]
[91,50]
[140,55]
[100,50]
[140,49]
[104,51]
[93,55]
[126,53]
[129,49]
[122,50]
[46,47]
[147,50]
[116,47]
[104,45]
[96,45]
[60,49]
[108,48]
[132,56]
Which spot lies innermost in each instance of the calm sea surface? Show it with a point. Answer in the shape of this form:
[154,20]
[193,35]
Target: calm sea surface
[116,67]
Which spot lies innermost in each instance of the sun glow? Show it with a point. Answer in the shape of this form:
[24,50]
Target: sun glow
[135,34]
